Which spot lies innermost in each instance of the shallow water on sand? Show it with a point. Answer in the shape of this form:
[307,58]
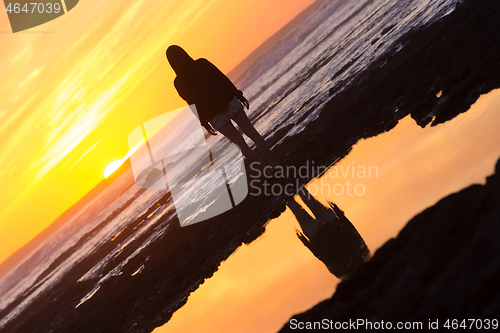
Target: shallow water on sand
[261,285]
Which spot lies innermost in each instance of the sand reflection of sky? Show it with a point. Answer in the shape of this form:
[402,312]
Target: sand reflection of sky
[262,285]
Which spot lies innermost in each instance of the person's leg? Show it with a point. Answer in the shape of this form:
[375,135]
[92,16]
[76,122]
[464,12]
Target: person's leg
[246,126]
[230,132]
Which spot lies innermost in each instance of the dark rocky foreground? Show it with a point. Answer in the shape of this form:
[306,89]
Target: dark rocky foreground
[457,55]
[443,265]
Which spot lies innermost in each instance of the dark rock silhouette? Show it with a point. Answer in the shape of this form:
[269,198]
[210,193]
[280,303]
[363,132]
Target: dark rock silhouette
[153,176]
[330,236]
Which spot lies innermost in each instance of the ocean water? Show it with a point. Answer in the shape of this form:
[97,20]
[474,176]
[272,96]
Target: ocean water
[346,35]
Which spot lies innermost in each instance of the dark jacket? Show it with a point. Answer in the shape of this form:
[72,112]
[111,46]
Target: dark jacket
[207,87]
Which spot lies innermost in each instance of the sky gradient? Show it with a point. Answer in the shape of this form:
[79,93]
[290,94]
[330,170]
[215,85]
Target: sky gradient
[74,88]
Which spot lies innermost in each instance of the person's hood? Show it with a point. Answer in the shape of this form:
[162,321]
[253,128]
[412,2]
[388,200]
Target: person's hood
[180,61]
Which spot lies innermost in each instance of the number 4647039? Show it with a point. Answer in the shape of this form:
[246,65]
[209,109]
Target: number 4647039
[476,324]
[35,8]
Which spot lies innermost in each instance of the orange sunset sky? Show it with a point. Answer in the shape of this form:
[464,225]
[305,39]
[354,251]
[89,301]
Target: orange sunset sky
[74,88]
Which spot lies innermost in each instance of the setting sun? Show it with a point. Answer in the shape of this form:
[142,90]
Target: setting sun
[112,167]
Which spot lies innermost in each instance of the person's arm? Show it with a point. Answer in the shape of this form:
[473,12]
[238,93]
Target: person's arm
[209,128]
[183,91]
[225,82]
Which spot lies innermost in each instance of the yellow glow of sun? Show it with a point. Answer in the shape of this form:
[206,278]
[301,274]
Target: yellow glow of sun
[112,167]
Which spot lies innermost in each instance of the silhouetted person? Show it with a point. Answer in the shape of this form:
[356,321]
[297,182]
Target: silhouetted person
[330,236]
[217,101]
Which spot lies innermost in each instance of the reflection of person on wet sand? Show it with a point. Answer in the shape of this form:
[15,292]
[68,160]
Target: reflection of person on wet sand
[330,236]
[217,102]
